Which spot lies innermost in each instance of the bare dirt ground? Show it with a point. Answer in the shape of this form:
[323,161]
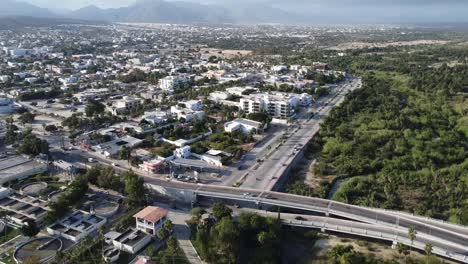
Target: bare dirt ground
[363,45]
[225,53]
[380,250]
[305,171]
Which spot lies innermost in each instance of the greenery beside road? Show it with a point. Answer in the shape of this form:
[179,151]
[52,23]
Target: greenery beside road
[400,140]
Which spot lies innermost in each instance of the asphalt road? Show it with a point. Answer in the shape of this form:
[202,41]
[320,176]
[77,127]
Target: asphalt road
[273,167]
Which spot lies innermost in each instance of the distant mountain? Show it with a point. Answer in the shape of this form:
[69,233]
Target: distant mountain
[18,22]
[16,8]
[159,11]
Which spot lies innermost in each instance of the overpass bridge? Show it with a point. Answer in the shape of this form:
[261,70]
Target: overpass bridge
[449,240]
[379,232]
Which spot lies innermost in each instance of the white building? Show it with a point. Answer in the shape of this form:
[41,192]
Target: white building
[72,80]
[277,105]
[84,96]
[194,105]
[217,96]
[170,82]
[125,105]
[279,68]
[245,126]
[76,226]
[186,114]
[183,152]
[155,117]
[130,241]
[239,91]
[151,219]
[113,147]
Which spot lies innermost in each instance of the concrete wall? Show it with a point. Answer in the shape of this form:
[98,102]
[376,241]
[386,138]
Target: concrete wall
[180,195]
[278,185]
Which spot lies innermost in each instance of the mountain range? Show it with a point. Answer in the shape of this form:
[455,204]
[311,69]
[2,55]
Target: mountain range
[160,11]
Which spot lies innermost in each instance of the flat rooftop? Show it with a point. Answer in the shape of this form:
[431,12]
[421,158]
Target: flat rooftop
[18,165]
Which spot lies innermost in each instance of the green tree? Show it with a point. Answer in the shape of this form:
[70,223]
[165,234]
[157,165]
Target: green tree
[428,251]
[124,153]
[225,236]
[401,249]
[10,135]
[26,118]
[412,236]
[166,230]
[220,211]
[94,108]
[31,145]
[29,228]
[134,188]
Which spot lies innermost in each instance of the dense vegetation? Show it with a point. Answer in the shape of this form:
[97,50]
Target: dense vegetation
[401,140]
[252,239]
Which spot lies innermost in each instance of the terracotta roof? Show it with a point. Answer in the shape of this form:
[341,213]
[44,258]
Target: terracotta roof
[151,213]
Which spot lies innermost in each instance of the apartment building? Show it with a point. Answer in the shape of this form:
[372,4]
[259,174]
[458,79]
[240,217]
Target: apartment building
[125,105]
[170,82]
[277,105]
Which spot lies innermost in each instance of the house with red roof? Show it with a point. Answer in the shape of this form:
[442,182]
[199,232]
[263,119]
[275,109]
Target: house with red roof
[151,219]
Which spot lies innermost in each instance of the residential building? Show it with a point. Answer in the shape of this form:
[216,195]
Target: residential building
[125,105]
[242,125]
[151,219]
[183,152]
[131,240]
[170,82]
[112,148]
[277,105]
[94,94]
[194,105]
[187,114]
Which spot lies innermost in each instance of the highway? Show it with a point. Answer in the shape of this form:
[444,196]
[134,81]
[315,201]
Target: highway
[445,232]
[266,175]
[452,238]
[380,232]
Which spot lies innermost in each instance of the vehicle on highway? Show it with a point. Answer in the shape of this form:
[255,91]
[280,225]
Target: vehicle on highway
[90,160]
[300,218]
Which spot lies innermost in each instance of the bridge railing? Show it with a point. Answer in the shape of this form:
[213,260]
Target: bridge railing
[378,235]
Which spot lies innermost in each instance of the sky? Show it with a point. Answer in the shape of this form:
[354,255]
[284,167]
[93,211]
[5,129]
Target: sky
[365,10]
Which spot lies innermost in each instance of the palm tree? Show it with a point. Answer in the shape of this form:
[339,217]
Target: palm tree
[412,236]
[428,250]
[401,248]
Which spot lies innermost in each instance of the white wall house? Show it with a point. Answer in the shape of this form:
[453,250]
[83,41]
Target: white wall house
[245,126]
[151,219]
[183,152]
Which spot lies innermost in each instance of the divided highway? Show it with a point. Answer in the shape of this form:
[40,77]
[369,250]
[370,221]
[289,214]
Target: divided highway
[269,172]
[452,238]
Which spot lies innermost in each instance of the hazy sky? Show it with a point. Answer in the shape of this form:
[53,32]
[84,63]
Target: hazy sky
[367,10]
